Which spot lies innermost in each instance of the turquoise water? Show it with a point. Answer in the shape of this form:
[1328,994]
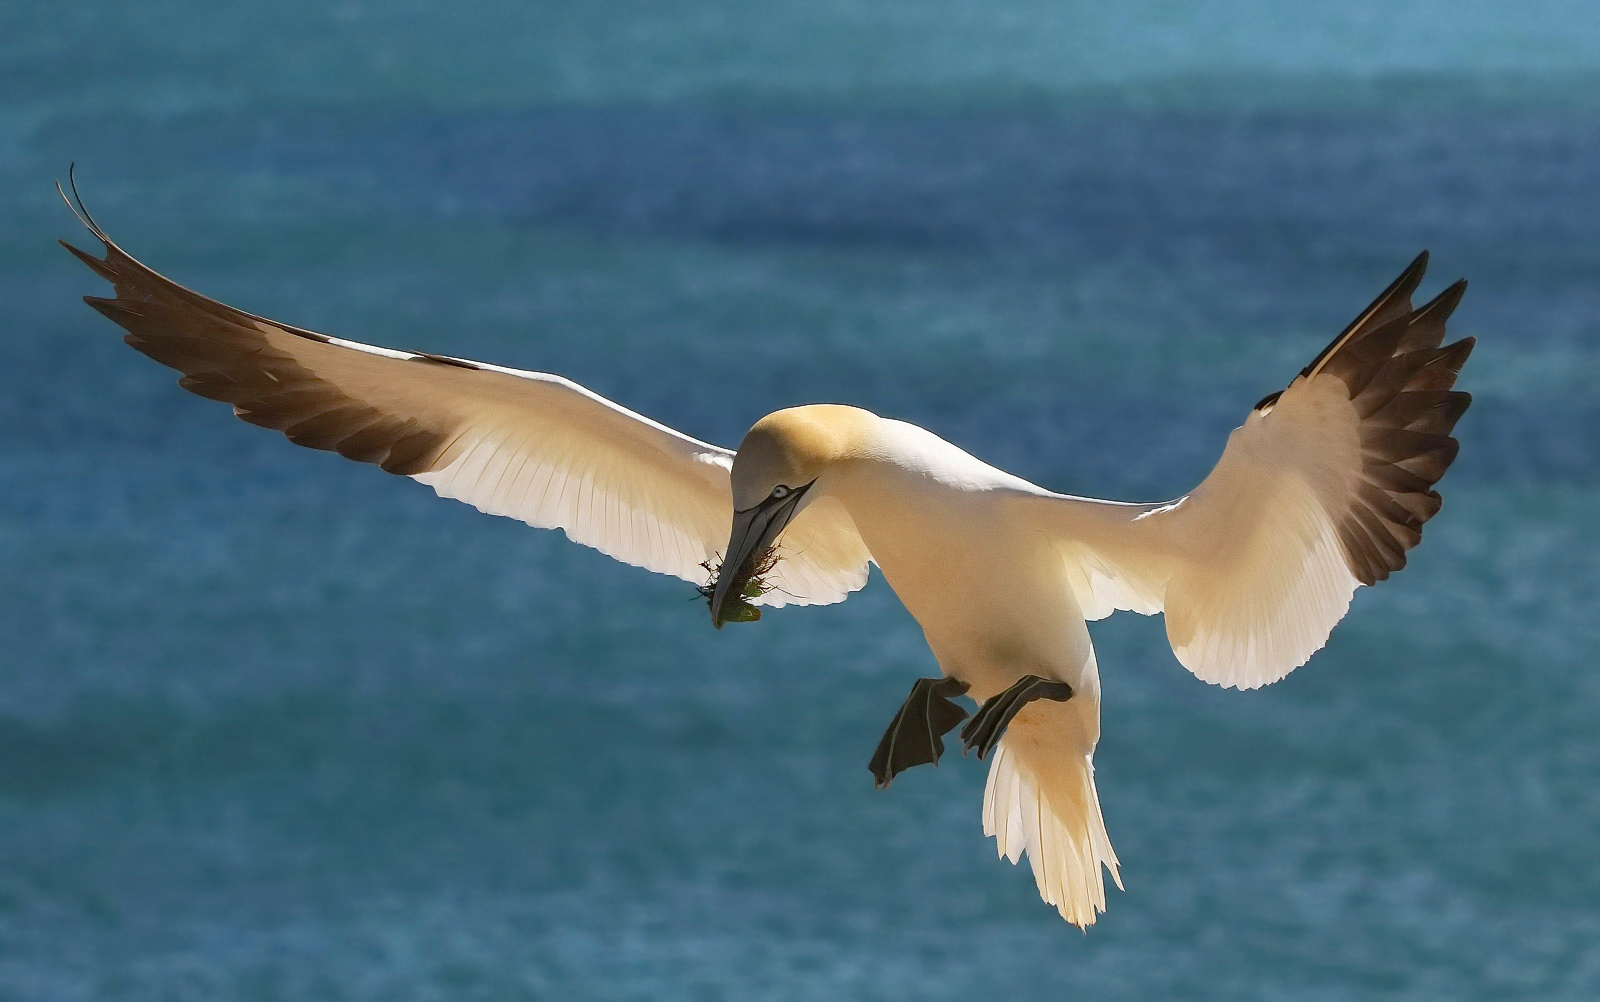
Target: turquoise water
[274,726]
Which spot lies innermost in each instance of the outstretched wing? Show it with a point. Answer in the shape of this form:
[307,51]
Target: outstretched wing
[530,445]
[1324,488]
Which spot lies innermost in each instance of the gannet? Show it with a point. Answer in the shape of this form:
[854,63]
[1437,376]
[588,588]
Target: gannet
[1322,489]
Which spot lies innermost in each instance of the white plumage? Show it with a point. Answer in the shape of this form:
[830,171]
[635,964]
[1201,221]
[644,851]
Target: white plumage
[1324,488]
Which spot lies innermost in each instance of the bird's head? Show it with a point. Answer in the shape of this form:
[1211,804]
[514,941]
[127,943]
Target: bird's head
[785,462]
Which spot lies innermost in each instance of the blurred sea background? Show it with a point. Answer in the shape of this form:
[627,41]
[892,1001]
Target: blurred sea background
[274,726]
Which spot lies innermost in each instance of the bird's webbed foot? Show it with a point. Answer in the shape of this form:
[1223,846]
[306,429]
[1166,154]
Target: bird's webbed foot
[985,728]
[914,734]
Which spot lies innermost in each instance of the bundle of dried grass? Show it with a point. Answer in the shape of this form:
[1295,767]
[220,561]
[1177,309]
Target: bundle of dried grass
[749,583]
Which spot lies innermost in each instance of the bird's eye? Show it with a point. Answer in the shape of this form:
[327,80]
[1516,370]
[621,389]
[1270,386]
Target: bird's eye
[779,492]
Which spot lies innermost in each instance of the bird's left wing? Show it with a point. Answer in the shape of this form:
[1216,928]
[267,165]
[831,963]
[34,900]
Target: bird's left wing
[529,445]
[1324,488]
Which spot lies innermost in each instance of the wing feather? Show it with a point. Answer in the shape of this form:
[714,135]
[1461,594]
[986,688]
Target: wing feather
[528,445]
[1324,488]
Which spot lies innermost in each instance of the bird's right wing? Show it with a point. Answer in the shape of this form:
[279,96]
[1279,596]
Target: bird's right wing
[1324,488]
[529,445]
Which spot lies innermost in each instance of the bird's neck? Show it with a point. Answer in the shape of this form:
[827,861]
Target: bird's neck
[908,487]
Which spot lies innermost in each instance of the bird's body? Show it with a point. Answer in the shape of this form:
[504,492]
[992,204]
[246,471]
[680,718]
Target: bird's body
[967,561]
[1324,488]
[971,572]
[971,563]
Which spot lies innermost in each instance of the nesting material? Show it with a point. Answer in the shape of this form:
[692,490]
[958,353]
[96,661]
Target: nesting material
[748,584]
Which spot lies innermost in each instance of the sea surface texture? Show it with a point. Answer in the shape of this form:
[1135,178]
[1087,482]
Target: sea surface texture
[276,726]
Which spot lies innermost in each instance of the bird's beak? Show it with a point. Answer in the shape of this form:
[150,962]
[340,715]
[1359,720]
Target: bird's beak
[754,529]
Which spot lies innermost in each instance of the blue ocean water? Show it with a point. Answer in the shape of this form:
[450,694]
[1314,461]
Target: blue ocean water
[275,726]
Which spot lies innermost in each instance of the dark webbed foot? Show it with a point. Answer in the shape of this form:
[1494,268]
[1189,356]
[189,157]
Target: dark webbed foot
[983,731]
[914,734]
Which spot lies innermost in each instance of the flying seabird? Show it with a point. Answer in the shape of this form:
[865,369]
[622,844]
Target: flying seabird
[1324,488]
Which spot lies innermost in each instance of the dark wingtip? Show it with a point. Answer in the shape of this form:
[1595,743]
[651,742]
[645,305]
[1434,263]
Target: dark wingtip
[1401,288]
[1444,303]
[75,203]
[112,308]
[70,206]
[1457,352]
[1409,279]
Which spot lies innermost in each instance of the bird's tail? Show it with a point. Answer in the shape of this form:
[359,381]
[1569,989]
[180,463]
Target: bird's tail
[1041,800]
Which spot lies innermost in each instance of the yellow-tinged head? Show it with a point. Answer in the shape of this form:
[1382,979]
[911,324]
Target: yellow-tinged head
[794,447]
[781,466]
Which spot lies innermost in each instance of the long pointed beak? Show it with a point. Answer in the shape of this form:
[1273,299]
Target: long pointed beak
[753,531]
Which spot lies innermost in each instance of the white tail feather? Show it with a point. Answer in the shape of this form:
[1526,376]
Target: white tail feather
[1045,805]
